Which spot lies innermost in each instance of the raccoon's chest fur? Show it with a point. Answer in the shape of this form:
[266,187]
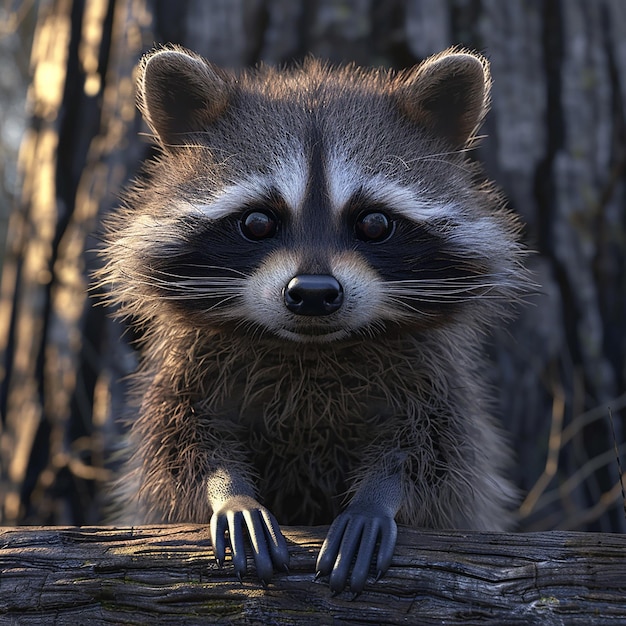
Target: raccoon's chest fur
[307,420]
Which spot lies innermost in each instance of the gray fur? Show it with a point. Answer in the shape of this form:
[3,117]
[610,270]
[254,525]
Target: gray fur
[307,414]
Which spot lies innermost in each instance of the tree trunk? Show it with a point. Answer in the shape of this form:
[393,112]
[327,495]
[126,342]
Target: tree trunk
[167,573]
[556,145]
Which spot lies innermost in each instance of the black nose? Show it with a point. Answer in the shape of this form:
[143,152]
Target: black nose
[313,294]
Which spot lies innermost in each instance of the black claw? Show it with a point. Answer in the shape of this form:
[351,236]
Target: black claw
[286,568]
[239,578]
[264,583]
[355,595]
[317,576]
[334,594]
[379,575]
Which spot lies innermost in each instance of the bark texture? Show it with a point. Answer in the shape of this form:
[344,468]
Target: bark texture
[167,573]
[556,144]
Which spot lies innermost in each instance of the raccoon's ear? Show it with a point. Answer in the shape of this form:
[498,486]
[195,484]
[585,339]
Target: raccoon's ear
[448,94]
[179,93]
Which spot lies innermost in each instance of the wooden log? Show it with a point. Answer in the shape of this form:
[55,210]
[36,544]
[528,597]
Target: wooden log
[97,575]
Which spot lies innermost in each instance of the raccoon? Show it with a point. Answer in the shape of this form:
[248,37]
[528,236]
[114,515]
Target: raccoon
[312,261]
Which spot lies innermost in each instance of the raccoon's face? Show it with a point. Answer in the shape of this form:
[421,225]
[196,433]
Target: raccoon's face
[315,204]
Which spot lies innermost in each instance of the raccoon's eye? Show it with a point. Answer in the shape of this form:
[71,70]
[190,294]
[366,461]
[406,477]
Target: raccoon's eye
[257,225]
[373,226]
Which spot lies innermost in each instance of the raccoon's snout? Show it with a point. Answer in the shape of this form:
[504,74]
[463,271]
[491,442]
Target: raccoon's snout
[313,294]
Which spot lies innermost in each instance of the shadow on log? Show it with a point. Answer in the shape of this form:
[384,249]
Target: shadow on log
[99,575]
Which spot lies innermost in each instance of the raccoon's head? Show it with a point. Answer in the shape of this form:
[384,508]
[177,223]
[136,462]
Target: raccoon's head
[312,204]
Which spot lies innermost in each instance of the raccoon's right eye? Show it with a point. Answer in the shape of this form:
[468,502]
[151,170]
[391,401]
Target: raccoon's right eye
[373,226]
[257,225]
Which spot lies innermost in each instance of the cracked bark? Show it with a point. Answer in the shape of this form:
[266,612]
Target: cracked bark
[123,575]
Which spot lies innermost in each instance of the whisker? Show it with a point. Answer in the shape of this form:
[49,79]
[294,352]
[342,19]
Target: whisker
[208,267]
[452,290]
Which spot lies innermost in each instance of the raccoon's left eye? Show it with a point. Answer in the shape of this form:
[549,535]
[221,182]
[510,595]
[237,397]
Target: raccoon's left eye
[373,226]
[257,225]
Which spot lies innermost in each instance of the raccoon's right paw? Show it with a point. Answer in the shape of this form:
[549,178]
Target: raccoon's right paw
[269,547]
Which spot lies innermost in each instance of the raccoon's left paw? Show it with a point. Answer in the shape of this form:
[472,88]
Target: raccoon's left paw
[244,518]
[352,537]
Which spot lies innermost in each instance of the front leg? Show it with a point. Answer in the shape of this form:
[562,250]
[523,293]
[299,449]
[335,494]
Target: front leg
[237,512]
[193,466]
[354,534]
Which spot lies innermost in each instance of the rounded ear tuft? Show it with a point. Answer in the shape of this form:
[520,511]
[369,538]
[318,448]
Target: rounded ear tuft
[448,94]
[180,93]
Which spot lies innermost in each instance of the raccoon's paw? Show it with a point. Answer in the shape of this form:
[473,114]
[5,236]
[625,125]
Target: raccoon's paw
[352,538]
[269,548]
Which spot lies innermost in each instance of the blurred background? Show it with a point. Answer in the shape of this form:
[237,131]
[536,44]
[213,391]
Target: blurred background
[555,142]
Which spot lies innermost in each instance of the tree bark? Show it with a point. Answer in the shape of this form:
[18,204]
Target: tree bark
[556,144]
[167,573]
